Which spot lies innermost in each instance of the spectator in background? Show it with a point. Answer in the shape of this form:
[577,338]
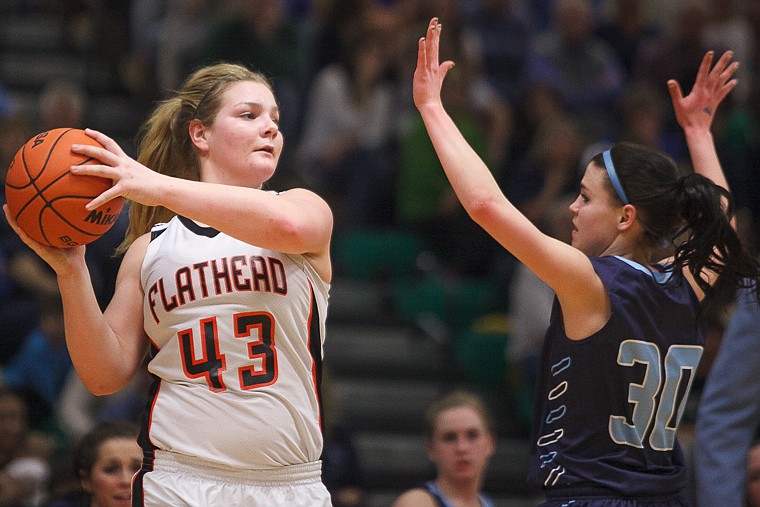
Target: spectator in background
[24,455]
[675,53]
[542,104]
[42,363]
[62,103]
[502,38]
[335,23]
[642,121]
[461,439]
[104,462]
[626,30]
[342,471]
[7,105]
[261,37]
[728,28]
[349,125]
[550,169]
[18,311]
[78,411]
[741,142]
[183,27]
[144,30]
[580,67]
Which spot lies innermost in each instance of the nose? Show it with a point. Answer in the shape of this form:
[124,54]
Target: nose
[271,128]
[573,208]
[462,443]
[126,476]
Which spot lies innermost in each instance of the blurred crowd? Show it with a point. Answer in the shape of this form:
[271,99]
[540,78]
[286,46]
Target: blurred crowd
[539,87]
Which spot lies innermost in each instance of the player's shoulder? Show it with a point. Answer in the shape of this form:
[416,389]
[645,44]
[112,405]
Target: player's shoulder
[417,497]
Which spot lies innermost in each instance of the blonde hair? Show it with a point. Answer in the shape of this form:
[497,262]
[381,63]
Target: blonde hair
[164,143]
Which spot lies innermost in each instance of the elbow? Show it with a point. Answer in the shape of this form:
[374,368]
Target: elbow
[101,387]
[482,209]
[293,234]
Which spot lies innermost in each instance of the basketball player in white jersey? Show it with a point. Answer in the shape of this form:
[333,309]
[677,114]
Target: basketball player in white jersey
[224,285]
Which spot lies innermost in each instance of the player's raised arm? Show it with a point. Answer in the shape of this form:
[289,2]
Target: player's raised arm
[695,112]
[564,268]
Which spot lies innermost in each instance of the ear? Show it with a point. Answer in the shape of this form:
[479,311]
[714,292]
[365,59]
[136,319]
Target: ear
[491,446]
[198,135]
[627,217]
[84,480]
[431,452]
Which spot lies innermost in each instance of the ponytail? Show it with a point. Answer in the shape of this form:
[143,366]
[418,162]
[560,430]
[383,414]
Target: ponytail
[708,242]
[687,213]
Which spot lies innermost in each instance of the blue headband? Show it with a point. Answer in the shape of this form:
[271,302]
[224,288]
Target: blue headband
[607,156]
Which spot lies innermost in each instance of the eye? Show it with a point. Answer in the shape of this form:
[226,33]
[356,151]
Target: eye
[584,198]
[248,115]
[473,435]
[449,437]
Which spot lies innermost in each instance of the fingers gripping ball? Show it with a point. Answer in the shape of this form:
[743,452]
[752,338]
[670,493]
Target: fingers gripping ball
[47,201]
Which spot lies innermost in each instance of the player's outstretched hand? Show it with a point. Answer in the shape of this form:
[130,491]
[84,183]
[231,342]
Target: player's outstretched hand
[697,109]
[131,179]
[429,74]
[60,259]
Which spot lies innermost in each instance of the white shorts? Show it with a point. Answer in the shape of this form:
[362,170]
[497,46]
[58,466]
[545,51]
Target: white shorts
[178,481]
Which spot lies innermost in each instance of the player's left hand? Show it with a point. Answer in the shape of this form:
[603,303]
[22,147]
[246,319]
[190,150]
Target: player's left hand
[62,260]
[429,74]
[711,86]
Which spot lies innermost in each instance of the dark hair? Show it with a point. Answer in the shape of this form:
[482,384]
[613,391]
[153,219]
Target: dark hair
[687,212]
[87,450]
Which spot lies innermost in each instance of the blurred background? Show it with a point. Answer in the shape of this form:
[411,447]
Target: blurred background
[422,300]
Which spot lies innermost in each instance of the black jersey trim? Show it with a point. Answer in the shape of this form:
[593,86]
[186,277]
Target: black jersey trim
[315,346]
[200,230]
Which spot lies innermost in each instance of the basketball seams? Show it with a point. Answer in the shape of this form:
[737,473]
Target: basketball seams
[40,191]
[49,206]
[50,202]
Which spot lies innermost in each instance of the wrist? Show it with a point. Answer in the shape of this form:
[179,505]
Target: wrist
[701,131]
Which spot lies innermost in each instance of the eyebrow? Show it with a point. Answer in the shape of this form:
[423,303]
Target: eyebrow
[257,104]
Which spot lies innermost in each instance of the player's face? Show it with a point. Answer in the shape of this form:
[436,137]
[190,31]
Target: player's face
[461,444]
[594,216]
[110,480]
[244,142]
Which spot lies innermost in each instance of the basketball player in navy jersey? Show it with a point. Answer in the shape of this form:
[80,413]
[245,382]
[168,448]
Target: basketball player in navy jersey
[625,336]
[225,286]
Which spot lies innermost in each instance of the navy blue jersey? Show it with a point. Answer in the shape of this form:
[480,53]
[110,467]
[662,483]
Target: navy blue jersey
[608,406]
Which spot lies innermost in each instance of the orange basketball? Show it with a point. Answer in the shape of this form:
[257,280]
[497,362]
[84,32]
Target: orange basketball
[47,201]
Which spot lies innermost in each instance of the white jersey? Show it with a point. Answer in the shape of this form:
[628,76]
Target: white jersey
[236,337]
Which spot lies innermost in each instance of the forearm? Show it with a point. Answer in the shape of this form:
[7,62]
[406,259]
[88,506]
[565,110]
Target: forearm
[704,156]
[95,350]
[291,225]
